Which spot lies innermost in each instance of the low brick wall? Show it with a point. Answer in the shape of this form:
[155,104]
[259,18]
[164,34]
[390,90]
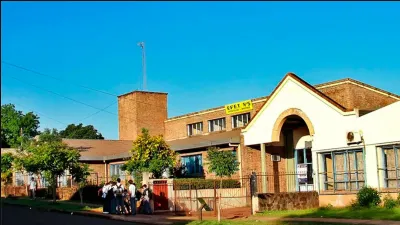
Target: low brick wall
[19,191]
[66,193]
[288,201]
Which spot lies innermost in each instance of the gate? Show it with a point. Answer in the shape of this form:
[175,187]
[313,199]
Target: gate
[234,196]
[160,195]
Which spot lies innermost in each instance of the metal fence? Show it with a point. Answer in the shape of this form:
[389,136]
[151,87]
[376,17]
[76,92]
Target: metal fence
[187,195]
[284,182]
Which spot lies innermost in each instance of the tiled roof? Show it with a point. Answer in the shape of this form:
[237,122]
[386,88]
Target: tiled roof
[100,149]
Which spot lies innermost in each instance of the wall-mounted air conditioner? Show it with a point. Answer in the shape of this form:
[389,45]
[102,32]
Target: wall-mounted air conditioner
[275,158]
[353,137]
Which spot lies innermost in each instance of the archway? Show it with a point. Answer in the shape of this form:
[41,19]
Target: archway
[292,133]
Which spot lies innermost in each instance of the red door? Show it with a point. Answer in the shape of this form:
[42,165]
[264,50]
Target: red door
[160,194]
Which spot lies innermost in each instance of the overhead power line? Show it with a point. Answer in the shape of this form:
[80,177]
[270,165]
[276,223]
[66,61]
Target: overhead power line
[56,78]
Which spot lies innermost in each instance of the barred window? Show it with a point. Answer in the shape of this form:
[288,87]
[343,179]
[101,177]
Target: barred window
[240,120]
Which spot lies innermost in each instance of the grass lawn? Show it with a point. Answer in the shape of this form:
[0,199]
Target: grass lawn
[251,222]
[61,205]
[342,213]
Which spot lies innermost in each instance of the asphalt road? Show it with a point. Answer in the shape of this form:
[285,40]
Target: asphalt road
[15,215]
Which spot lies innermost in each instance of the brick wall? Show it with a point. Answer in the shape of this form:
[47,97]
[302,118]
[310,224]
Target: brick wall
[137,110]
[353,96]
[176,128]
[288,201]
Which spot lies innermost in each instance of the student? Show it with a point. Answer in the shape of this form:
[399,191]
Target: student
[146,200]
[127,202]
[132,194]
[112,200]
[106,198]
[119,195]
[32,188]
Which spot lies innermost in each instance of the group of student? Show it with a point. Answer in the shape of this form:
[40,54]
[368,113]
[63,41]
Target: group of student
[119,200]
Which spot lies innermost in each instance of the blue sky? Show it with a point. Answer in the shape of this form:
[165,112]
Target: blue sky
[203,54]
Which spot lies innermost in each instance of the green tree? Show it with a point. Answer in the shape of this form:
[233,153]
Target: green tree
[150,154]
[222,163]
[50,155]
[80,132]
[12,121]
[7,167]
[80,173]
[7,160]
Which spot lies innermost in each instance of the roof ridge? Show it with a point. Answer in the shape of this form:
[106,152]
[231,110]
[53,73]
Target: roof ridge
[86,139]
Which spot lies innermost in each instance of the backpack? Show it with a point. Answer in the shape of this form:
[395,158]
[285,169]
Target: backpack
[119,191]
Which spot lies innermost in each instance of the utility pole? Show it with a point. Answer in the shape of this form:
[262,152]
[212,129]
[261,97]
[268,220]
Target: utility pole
[141,45]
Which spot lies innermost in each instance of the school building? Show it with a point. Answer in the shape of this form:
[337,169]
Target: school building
[333,138]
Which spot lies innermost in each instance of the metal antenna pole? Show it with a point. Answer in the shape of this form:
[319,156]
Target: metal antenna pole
[141,45]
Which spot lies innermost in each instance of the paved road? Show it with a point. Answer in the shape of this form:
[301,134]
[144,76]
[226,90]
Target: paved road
[14,215]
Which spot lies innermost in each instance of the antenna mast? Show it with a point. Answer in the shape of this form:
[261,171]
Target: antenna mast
[141,45]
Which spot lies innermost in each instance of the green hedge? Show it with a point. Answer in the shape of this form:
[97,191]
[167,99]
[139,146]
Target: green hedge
[195,183]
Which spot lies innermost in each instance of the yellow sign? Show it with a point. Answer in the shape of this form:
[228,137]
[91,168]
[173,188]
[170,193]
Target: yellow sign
[239,107]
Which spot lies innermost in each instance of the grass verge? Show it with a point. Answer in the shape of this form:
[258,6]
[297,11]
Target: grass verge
[339,213]
[45,204]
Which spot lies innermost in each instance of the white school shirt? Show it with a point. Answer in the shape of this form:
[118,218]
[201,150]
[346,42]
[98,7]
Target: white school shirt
[132,190]
[32,185]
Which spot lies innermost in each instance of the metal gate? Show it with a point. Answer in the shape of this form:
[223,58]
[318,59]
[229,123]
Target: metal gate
[160,195]
[234,196]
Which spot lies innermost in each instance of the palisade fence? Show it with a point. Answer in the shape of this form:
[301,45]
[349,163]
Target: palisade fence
[279,182]
[187,195]
[66,180]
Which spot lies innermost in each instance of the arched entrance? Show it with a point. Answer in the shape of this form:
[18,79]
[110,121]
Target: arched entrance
[292,134]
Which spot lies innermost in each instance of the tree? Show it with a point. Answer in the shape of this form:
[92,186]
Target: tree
[6,169]
[80,132]
[222,163]
[150,154]
[50,155]
[12,121]
[80,172]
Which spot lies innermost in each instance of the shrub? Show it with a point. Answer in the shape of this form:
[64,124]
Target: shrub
[195,183]
[398,198]
[389,202]
[368,197]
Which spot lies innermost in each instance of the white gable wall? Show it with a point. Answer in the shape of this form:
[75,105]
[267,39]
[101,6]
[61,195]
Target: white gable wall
[329,124]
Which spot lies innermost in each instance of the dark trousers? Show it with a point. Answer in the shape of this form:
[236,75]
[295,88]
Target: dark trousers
[106,204]
[133,206]
[120,204]
[113,205]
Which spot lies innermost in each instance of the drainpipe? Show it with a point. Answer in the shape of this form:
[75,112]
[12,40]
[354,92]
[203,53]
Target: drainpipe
[105,171]
[263,169]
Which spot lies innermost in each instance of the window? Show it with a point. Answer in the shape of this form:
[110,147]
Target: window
[389,168]
[193,164]
[115,170]
[304,162]
[216,125]
[240,120]
[343,170]
[195,128]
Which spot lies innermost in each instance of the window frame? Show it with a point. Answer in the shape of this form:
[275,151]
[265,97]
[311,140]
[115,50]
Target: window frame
[190,130]
[211,124]
[248,117]
[199,170]
[354,171]
[383,165]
